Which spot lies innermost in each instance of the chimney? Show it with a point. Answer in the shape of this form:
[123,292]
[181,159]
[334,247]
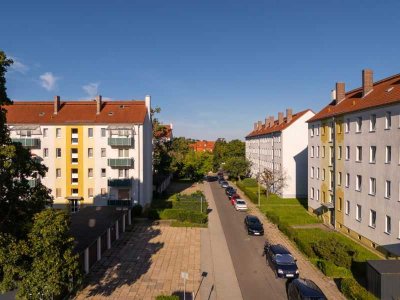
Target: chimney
[280,118]
[289,114]
[255,126]
[148,104]
[98,104]
[367,81]
[259,124]
[271,121]
[340,92]
[57,104]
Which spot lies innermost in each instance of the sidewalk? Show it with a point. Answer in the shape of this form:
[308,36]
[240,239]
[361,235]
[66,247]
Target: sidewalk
[307,270]
[221,281]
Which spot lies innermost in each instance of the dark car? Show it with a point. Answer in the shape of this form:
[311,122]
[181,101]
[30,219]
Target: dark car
[224,184]
[230,191]
[281,261]
[304,289]
[211,178]
[253,225]
[220,180]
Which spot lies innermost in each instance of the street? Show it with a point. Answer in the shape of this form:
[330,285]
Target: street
[255,277]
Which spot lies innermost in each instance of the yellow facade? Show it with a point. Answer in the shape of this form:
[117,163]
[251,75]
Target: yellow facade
[324,169]
[69,165]
[339,168]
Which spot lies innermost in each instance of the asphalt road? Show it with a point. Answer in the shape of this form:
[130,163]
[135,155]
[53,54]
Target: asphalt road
[256,278]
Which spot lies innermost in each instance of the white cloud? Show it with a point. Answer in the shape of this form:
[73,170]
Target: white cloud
[18,66]
[91,89]
[48,81]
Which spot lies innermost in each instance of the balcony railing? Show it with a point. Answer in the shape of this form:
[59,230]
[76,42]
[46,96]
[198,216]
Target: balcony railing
[120,162]
[28,142]
[119,202]
[120,182]
[120,142]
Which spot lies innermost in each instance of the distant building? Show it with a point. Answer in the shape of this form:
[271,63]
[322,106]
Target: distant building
[353,161]
[97,152]
[166,131]
[203,146]
[281,146]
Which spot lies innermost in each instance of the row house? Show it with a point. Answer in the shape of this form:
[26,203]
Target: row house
[97,152]
[354,162]
[281,146]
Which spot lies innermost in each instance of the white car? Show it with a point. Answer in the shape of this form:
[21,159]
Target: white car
[240,204]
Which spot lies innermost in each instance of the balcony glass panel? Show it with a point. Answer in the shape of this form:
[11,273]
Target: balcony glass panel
[28,142]
[120,162]
[120,182]
[118,141]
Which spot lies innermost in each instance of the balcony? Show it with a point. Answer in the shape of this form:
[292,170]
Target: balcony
[28,142]
[120,162]
[120,142]
[119,203]
[120,182]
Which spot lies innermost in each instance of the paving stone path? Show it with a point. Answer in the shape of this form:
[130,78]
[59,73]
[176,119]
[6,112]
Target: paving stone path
[147,262]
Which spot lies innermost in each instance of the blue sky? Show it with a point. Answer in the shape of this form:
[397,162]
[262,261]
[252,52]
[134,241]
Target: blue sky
[214,67]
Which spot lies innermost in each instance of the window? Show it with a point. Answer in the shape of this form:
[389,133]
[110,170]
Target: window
[74,176]
[388,189]
[58,152]
[103,192]
[90,152]
[372,186]
[312,193]
[317,195]
[340,204]
[359,124]
[388,157]
[347,126]
[347,152]
[358,183]
[123,152]
[339,152]
[103,132]
[372,123]
[90,132]
[347,179]
[317,130]
[103,152]
[388,120]
[388,225]
[103,172]
[58,192]
[74,136]
[317,173]
[74,155]
[339,128]
[317,154]
[331,177]
[312,151]
[372,154]
[323,174]
[323,196]
[312,172]
[331,155]
[45,152]
[90,192]
[359,154]
[74,192]
[58,132]
[330,132]
[58,173]
[312,130]
[339,178]
[358,212]
[372,218]
[90,172]
[347,208]
[323,151]
[45,132]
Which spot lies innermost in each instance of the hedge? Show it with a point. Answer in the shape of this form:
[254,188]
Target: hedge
[331,270]
[354,291]
[184,215]
[167,297]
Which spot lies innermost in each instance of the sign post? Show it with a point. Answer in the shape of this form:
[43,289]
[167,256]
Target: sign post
[184,276]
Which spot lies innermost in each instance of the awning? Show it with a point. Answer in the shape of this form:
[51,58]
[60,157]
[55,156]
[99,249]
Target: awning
[328,205]
[74,198]
[25,127]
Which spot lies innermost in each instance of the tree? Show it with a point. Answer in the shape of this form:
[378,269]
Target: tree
[274,181]
[178,152]
[237,167]
[197,164]
[223,151]
[161,146]
[54,267]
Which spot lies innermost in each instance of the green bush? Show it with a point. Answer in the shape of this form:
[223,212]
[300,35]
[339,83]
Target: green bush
[153,214]
[304,246]
[184,215]
[354,291]
[137,210]
[162,297]
[249,182]
[274,218]
[287,229]
[331,249]
[333,271]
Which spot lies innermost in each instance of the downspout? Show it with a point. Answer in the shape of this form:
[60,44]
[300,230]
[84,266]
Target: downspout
[334,172]
[138,186]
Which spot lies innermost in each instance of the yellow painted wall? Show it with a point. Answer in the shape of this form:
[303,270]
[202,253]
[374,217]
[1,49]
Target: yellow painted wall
[339,138]
[60,163]
[70,166]
[324,134]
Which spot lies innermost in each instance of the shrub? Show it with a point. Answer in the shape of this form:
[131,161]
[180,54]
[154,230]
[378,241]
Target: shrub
[287,229]
[250,182]
[153,214]
[331,270]
[184,215]
[137,210]
[304,246]
[162,297]
[354,291]
[274,218]
[331,249]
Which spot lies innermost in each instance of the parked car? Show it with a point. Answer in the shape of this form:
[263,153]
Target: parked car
[211,178]
[220,180]
[240,204]
[234,197]
[230,191]
[224,184]
[304,289]
[281,261]
[253,225]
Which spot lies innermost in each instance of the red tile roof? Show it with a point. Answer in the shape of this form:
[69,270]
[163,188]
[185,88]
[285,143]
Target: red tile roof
[76,112]
[385,92]
[276,127]
[201,146]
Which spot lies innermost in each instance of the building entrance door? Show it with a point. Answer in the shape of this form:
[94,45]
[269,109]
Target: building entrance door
[123,194]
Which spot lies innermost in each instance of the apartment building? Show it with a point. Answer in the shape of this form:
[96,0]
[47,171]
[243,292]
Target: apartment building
[354,161]
[97,152]
[281,145]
